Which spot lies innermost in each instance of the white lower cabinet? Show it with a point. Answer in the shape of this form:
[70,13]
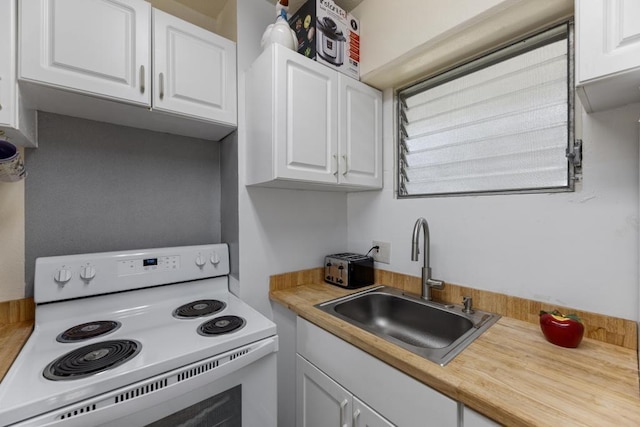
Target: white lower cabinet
[334,379]
[470,418]
[322,402]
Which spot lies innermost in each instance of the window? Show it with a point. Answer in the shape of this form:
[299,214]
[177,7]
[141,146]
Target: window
[499,124]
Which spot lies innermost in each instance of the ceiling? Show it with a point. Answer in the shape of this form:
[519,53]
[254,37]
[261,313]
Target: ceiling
[212,8]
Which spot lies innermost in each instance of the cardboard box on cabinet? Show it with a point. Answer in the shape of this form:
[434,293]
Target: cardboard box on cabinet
[328,34]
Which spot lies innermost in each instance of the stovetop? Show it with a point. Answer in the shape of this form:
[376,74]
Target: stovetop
[144,316]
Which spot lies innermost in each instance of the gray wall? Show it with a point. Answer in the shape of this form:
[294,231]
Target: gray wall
[100,187]
[229,194]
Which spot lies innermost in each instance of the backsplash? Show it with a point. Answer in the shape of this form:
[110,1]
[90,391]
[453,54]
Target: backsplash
[96,187]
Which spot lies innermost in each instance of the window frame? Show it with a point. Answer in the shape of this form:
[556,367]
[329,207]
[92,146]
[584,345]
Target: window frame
[501,53]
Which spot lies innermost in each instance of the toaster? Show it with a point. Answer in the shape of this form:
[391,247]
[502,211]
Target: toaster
[348,270]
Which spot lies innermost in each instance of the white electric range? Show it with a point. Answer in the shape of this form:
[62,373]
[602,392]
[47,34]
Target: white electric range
[136,338]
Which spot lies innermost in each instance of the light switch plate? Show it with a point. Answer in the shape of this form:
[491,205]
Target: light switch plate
[383,254]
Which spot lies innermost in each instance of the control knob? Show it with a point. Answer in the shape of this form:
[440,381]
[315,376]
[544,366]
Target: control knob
[200,261]
[87,273]
[62,276]
[215,258]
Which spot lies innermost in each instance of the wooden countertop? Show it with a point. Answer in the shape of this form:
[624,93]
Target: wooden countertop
[510,373]
[16,324]
[12,338]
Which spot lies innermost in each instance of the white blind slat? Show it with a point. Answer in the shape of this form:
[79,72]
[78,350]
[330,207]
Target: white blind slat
[514,144]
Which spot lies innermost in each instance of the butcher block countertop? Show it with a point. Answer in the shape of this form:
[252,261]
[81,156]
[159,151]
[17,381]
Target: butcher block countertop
[510,373]
[16,325]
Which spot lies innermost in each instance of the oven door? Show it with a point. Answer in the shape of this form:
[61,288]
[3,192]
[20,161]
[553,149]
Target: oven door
[232,389]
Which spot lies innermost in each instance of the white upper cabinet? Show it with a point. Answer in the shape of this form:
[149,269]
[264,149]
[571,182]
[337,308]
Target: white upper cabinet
[7,66]
[607,53]
[100,47]
[17,124]
[310,127]
[359,124]
[101,51]
[194,70]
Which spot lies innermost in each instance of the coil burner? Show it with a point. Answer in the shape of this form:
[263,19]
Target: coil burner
[87,331]
[199,308]
[221,325]
[91,359]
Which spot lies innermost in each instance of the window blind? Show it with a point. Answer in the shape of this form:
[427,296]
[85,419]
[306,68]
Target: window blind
[498,124]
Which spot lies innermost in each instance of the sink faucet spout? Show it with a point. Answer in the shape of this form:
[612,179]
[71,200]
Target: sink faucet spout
[427,281]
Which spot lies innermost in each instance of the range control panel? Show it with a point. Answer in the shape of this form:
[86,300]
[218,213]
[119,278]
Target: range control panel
[148,265]
[73,276]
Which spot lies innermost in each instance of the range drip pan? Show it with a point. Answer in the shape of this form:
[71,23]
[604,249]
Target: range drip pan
[92,359]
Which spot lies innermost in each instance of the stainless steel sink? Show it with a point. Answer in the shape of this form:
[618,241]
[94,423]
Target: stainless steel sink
[432,330]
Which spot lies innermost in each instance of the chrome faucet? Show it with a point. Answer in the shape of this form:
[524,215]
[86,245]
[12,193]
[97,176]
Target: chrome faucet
[427,281]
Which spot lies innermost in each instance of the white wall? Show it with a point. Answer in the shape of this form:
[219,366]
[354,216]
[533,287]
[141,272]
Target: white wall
[576,249]
[280,230]
[12,240]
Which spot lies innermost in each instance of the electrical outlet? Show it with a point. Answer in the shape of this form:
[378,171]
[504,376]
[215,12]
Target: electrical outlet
[383,254]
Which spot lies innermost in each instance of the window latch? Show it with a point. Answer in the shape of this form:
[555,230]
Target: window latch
[574,154]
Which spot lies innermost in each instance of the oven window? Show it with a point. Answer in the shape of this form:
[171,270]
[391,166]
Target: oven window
[221,410]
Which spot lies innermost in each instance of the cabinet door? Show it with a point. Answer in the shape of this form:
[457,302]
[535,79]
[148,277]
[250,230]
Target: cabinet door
[471,418]
[194,70]
[96,47]
[305,119]
[360,133]
[321,402]
[608,37]
[7,65]
[364,416]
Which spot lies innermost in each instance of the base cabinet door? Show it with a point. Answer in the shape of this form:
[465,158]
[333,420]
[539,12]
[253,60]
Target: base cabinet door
[364,416]
[322,402]
[471,418]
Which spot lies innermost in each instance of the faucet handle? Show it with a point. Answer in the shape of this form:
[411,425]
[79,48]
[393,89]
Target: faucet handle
[435,284]
[468,303]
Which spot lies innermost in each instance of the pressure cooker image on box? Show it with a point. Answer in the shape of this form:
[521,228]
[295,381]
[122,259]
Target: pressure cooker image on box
[330,41]
[328,34]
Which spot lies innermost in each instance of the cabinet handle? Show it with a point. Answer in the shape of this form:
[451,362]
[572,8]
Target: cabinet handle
[346,165]
[356,416]
[161,77]
[335,157]
[343,405]
[142,79]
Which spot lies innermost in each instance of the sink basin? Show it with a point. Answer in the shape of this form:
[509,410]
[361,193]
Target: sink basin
[432,330]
